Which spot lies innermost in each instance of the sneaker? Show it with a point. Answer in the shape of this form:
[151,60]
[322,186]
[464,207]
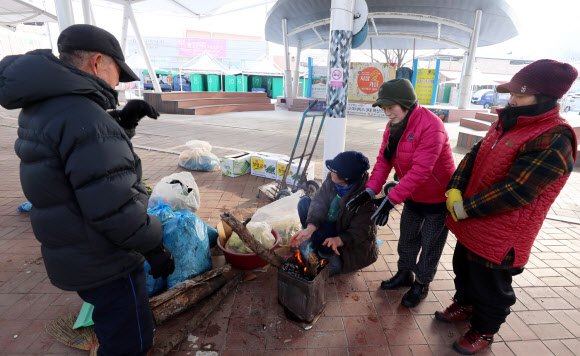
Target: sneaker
[454,312]
[415,295]
[472,342]
[403,278]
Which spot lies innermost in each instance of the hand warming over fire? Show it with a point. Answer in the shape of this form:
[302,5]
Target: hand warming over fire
[302,235]
[334,243]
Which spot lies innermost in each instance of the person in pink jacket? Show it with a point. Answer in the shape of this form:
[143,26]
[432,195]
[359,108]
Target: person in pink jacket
[416,144]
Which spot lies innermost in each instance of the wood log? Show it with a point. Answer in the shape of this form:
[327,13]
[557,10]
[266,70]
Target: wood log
[205,310]
[312,265]
[183,301]
[248,239]
[186,285]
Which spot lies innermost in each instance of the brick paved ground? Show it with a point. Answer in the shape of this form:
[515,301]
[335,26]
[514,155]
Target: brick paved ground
[360,319]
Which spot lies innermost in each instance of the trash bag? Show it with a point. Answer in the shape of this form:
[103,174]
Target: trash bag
[162,211]
[198,157]
[154,285]
[212,233]
[179,190]
[187,238]
[24,206]
[262,233]
[282,215]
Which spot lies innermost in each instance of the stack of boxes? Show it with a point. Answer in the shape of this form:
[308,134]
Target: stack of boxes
[265,164]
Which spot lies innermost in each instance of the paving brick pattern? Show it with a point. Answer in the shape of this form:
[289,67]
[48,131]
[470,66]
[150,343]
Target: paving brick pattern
[359,319]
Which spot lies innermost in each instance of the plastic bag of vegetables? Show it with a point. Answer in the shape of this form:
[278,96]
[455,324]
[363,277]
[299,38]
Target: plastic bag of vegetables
[261,231]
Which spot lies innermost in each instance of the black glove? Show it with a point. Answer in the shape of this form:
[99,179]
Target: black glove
[161,261]
[381,216]
[134,111]
[358,200]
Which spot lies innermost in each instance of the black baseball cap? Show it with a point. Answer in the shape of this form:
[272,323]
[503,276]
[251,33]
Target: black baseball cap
[349,164]
[94,39]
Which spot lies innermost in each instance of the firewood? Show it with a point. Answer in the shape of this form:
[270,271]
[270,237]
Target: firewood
[187,284]
[184,301]
[312,265]
[203,310]
[249,240]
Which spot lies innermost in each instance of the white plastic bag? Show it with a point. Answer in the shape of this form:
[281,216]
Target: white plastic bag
[179,190]
[198,157]
[282,215]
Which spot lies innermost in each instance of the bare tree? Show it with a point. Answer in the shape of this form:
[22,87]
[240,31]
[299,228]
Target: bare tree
[396,56]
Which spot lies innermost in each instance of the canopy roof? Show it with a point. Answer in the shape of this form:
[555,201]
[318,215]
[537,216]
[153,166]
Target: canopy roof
[264,67]
[14,12]
[205,64]
[398,24]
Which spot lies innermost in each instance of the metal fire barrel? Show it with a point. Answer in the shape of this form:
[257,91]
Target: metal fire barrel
[304,299]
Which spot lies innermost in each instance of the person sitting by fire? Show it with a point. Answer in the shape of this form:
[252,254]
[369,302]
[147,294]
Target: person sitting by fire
[346,239]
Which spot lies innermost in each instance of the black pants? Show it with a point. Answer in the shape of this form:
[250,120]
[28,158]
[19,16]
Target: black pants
[423,232]
[122,316]
[488,291]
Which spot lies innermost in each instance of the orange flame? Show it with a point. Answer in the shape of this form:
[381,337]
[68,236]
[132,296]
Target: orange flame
[298,259]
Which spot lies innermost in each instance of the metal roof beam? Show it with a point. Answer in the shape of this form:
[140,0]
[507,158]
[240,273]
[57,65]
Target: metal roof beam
[314,44]
[420,37]
[37,9]
[420,17]
[316,32]
[374,26]
[309,26]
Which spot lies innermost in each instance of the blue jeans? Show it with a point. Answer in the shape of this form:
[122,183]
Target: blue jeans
[314,244]
[122,316]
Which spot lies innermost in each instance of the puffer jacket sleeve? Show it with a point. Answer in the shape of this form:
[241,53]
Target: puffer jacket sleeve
[318,211]
[381,169]
[361,228]
[105,175]
[431,143]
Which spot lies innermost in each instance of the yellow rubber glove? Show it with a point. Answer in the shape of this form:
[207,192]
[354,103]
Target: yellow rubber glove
[453,196]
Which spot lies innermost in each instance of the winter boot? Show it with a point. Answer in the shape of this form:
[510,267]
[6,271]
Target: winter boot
[402,278]
[472,342]
[415,295]
[454,312]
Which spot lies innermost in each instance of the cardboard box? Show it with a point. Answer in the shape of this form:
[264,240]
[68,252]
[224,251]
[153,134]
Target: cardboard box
[237,164]
[281,168]
[264,164]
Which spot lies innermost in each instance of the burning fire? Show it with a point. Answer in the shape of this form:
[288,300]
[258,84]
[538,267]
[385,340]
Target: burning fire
[298,260]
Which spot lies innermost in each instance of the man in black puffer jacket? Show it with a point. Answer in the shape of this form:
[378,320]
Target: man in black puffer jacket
[79,171]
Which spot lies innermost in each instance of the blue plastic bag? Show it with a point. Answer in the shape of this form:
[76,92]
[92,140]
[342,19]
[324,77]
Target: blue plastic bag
[212,233]
[154,286]
[187,238]
[163,212]
[202,163]
[25,206]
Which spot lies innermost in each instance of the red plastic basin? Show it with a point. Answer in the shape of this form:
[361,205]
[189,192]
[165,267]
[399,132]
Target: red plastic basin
[247,260]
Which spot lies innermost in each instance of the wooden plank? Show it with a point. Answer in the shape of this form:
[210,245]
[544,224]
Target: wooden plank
[208,110]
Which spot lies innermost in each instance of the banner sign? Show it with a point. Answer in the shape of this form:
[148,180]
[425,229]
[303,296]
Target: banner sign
[366,79]
[364,109]
[424,85]
[195,47]
[319,74]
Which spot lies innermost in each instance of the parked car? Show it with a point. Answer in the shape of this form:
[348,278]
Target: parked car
[571,102]
[489,98]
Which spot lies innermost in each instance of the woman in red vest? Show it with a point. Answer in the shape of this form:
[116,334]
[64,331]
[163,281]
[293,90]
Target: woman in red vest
[500,195]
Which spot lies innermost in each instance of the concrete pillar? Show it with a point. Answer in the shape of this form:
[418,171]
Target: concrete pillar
[341,22]
[64,12]
[287,71]
[296,76]
[154,80]
[465,93]
[87,12]
[124,30]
